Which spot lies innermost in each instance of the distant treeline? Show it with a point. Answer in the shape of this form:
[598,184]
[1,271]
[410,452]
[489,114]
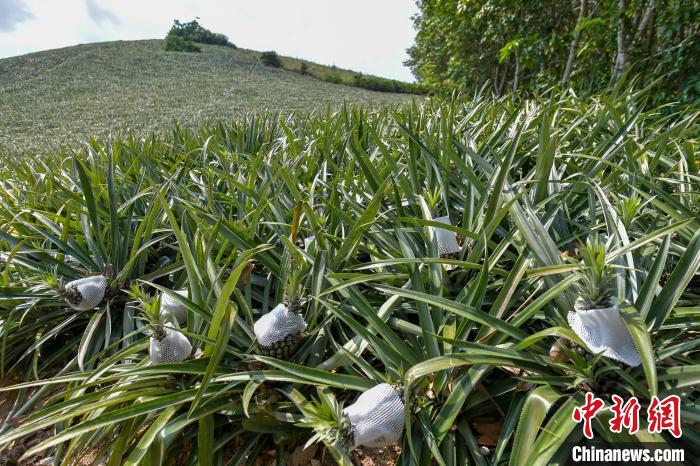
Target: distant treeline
[375,83]
[531,45]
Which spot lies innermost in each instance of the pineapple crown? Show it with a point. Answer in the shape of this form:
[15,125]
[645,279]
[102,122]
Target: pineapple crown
[331,426]
[596,281]
[432,198]
[151,311]
[294,289]
[628,208]
[52,281]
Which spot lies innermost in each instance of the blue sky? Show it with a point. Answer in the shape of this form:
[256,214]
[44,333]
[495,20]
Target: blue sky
[364,35]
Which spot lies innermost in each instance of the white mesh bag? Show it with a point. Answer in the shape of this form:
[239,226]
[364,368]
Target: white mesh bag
[86,293]
[604,331]
[377,417]
[446,239]
[278,324]
[172,309]
[175,347]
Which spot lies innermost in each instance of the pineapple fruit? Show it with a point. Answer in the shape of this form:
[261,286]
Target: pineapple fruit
[167,344]
[596,318]
[281,331]
[86,293]
[376,417]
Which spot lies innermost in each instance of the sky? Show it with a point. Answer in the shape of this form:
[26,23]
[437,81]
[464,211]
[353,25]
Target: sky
[363,35]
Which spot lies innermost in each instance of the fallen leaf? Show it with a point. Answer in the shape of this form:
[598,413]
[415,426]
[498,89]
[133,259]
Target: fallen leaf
[489,429]
[301,456]
[523,386]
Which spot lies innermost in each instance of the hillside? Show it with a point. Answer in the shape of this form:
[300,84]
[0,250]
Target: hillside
[56,98]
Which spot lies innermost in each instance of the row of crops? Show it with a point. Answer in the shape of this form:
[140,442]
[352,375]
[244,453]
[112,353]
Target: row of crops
[243,284]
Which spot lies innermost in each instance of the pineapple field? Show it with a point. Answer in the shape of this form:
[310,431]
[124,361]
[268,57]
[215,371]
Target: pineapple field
[440,282]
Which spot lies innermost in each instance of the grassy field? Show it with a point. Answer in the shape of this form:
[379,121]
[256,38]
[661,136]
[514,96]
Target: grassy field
[323,72]
[57,98]
[554,204]
[316,69]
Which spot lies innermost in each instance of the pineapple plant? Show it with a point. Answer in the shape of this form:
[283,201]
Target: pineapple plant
[596,317]
[376,419]
[167,343]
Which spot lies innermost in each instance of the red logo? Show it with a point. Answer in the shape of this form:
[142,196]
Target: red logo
[661,415]
[625,415]
[665,415]
[587,412]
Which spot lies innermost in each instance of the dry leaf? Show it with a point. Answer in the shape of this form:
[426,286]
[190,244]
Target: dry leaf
[489,429]
[523,386]
[301,456]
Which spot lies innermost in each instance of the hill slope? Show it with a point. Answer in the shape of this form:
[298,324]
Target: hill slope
[58,97]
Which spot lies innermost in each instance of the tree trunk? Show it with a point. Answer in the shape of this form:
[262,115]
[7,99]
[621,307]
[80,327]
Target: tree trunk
[621,60]
[516,77]
[644,24]
[499,89]
[495,80]
[574,42]
[652,36]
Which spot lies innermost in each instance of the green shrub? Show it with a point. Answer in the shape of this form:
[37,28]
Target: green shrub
[333,77]
[270,58]
[375,83]
[304,69]
[179,44]
[194,32]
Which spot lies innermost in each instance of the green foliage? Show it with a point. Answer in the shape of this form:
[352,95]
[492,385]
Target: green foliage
[180,44]
[526,45]
[194,32]
[270,58]
[333,77]
[522,181]
[375,83]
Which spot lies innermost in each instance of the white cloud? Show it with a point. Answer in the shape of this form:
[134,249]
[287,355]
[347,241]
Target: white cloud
[99,14]
[364,35]
[13,12]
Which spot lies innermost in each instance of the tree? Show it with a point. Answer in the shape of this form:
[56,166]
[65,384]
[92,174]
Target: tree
[188,33]
[583,13]
[529,44]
